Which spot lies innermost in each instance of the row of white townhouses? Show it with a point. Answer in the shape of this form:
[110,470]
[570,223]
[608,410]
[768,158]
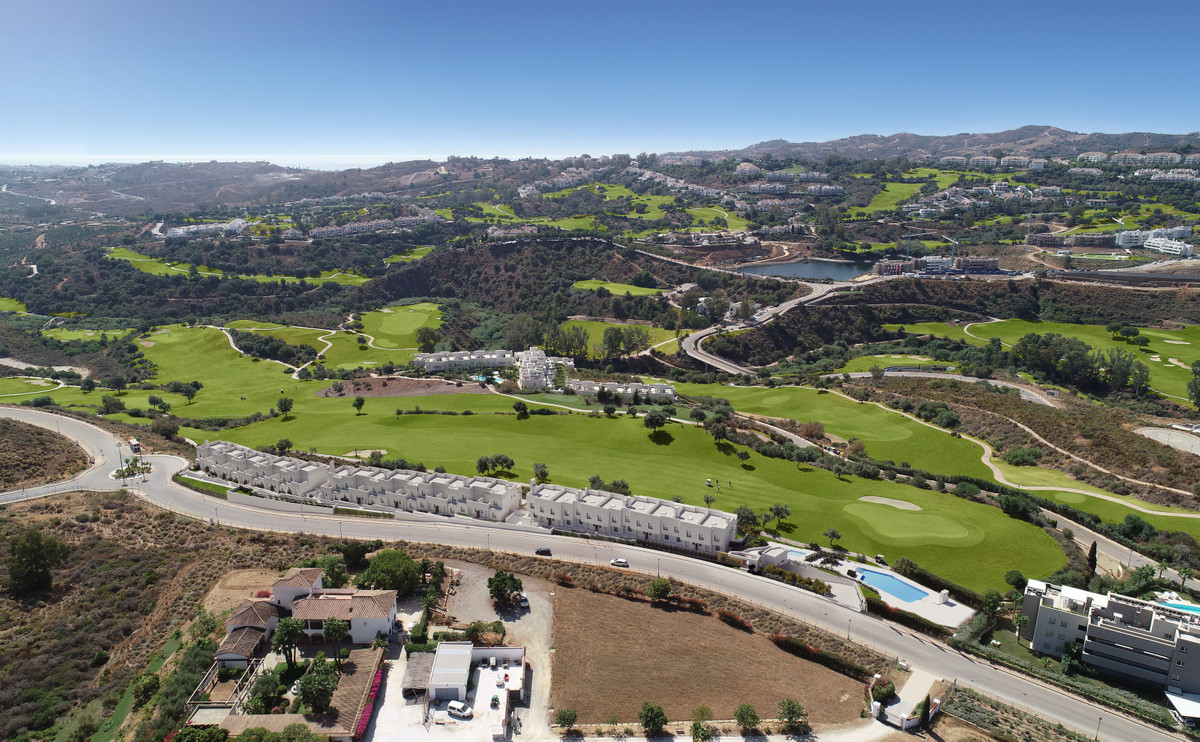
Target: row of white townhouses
[535,369]
[647,392]
[639,518]
[1153,642]
[673,524]
[485,498]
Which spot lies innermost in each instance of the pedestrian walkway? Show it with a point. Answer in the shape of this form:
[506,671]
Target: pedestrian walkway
[914,691]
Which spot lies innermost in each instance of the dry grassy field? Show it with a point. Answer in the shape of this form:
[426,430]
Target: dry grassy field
[611,655]
[32,455]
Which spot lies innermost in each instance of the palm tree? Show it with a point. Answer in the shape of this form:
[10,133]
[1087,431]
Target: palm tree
[336,631]
[1163,566]
[1185,574]
[287,638]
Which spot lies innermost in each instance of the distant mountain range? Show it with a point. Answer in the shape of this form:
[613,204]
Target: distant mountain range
[1046,141]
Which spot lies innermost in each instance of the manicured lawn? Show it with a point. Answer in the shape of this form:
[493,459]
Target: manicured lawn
[596,331]
[887,434]
[892,194]
[161,268]
[864,363]
[24,386]
[616,288]
[11,305]
[966,542]
[396,327]
[937,329]
[409,256]
[66,335]
[1165,376]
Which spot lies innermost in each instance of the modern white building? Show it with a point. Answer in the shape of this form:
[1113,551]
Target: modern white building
[982,161]
[369,487]
[826,190]
[1138,237]
[1085,171]
[460,360]
[648,392]
[536,370]
[236,226]
[1037,164]
[1169,247]
[1093,157]
[1014,161]
[953,161]
[241,465]
[1193,159]
[658,522]
[1048,191]
[1150,642]
[1128,158]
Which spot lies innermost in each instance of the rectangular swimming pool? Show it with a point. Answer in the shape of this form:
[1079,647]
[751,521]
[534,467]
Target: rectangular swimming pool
[885,582]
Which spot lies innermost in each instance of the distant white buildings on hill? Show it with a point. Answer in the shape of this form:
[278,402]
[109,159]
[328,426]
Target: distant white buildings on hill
[235,226]
[536,370]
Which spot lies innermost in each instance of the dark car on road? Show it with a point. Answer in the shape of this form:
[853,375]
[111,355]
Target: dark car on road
[543,551]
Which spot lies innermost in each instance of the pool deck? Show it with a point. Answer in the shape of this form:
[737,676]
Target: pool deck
[950,613]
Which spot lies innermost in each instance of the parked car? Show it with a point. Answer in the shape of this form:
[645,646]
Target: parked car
[524,600]
[459,709]
[542,551]
[620,562]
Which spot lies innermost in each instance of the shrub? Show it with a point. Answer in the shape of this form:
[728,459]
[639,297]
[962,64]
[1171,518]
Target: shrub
[734,620]
[834,662]
[883,691]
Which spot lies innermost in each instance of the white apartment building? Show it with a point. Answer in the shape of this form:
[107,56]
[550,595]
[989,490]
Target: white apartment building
[1014,161]
[459,360]
[236,226]
[484,498]
[1085,171]
[536,369]
[981,161]
[1151,642]
[680,526]
[776,188]
[1193,159]
[826,190]
[953,160]
[1169,247]
[1138,237]
[648,392]
[1037,164]
[1162,158]
[1128,158]
[1048,191]
[265,471]
[1093,157]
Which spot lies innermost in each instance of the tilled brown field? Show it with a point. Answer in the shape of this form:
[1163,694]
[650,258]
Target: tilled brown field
[611,655]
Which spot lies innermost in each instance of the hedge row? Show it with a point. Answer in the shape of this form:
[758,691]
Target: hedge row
[917,573]
[906,618]
[834,662]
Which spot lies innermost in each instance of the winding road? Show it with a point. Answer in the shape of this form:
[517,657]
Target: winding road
[941,660]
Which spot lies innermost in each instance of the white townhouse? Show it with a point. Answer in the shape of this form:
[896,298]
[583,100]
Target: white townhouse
[659,522]
[1093,157]
[649,392]
[953,160]
[1163,158]
[465,359]
[1014,161]
[1169,247]
[981,161]
[1128,158]
[242,465]
[434,493]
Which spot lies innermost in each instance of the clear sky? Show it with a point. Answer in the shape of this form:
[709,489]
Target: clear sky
[339,82]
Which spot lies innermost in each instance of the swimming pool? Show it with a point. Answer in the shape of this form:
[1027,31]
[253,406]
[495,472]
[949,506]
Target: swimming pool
[887,583]
[1183,607]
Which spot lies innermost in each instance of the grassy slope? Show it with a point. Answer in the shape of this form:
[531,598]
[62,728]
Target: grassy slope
[11,305]
[409,256]
[396,327]
[617,288]
[596,331]
[160,268]
[864,363]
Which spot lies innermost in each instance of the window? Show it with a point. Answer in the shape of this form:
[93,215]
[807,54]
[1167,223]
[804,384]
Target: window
[1049,632]
[1061,636]
[1179,663]
[1183,648]
[1175,677]
[1052,621]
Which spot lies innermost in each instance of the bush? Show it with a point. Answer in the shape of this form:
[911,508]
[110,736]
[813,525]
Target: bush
[734,620]
[883,691]
[834,662]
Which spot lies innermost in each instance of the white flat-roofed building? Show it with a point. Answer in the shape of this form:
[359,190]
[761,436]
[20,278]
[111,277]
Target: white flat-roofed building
[776,188]
[1163,158]
[1014,161]
[1048,191]
[981,161]
[1192,159]
[638,518]
[953,160]
[465,359]
[1037,164]
[537,370]
[648,392]
[1058,615]
[1085,171]
[1169,247]
[1138,237]
[242,465]
[1093,157]
[826,190]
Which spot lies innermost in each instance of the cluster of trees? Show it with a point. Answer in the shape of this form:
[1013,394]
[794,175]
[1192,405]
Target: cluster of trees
[497,462]
[1072,362]
[271,347]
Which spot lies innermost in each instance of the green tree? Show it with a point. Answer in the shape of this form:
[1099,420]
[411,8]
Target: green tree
[318,684]
[541,472]
[284,405]
[1091,559]
[203,626]
[336,630]
[504,587]
[612,341]
[709,499]
[654,419]
[1016,580]
[832,534]
[427,338]
[925,709]
[743,456]
[653,718]
[566,718]
[286,638]
[698,415]
[31,556]
[144,688]
[502,462]
[660,588]
[794,716]
[746,717]
[483,464]
[702,714]
[391,569]
[359,401]
[521,409]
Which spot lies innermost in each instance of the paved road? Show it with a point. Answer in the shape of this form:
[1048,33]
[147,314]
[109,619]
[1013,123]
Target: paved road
[885,637]
[1027,394]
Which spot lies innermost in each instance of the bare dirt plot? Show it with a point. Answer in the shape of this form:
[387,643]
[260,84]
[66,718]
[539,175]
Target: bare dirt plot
[611,655]
[401,387]
[236,586]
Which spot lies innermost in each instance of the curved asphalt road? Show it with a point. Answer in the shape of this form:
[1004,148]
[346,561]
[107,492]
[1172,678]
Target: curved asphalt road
[885,637]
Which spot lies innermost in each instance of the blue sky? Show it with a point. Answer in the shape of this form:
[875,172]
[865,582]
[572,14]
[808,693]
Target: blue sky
[337,83]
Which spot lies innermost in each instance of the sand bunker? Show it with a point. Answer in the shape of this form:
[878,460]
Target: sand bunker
[900,504]
[146,343]
[1177,342]
[1179,363]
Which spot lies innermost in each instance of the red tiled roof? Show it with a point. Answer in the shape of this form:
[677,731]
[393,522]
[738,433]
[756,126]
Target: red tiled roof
[241,642]
[363,604]
[299,577]
[253,613]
